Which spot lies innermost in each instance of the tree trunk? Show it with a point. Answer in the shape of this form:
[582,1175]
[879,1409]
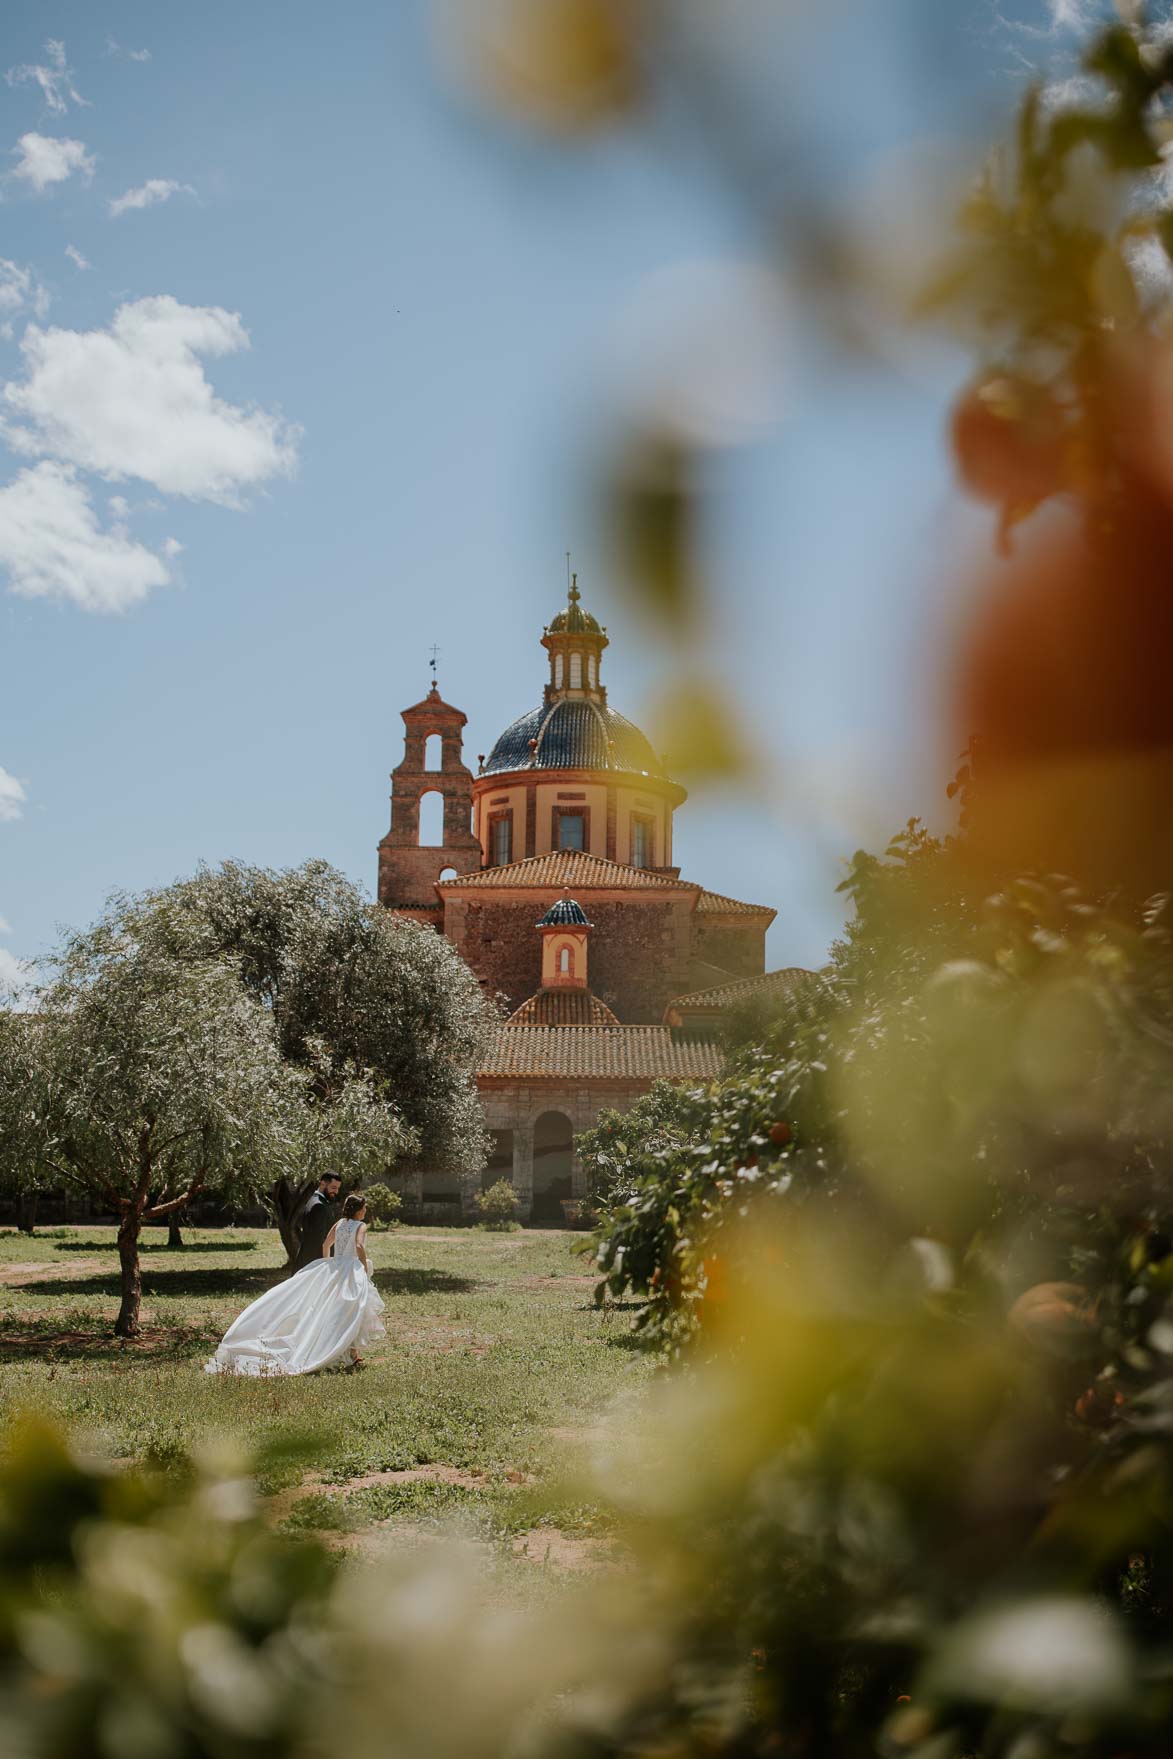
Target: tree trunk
[126,1325]
[174,1237]
[287,1202]
[26,1215]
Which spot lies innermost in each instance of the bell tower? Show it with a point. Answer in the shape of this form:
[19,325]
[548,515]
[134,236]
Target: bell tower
[409,869]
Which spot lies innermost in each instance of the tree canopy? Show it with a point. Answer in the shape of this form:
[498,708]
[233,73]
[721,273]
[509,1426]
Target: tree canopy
[242,1030]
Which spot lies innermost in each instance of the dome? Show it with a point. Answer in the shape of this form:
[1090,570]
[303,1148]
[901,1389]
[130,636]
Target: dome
[574,620]
[566,913]
[573,734]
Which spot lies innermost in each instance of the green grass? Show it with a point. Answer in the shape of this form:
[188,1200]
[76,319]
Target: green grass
[493,1342]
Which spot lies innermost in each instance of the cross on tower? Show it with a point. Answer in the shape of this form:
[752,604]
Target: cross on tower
[434,650]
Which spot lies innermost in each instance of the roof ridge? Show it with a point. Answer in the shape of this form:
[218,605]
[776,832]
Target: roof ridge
[647,877]
[738,903]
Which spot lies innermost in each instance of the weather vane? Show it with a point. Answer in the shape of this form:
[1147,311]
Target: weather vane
[435,651]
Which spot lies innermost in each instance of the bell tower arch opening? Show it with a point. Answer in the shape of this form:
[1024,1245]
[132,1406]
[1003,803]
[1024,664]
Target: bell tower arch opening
[431,819]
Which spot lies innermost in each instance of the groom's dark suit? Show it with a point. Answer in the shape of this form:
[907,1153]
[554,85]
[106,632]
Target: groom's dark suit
[317,1218]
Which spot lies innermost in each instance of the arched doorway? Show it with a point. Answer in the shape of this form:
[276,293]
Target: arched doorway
[553,1153]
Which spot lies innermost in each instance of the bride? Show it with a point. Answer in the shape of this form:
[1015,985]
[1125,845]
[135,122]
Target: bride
[324,1313]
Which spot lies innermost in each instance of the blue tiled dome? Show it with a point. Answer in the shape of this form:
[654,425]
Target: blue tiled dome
[573,734]
[566,913]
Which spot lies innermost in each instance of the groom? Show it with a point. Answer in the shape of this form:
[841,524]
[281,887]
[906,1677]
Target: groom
[317,1218]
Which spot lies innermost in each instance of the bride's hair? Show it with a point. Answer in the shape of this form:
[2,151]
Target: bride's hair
[353,1204]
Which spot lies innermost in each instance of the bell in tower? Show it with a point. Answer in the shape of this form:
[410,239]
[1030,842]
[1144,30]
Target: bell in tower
[432,764]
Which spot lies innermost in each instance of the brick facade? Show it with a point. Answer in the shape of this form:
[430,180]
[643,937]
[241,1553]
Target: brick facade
[649,936]
[730,943]
[640,957]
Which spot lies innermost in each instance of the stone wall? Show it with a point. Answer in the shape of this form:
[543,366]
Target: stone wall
[638,955]
[734,944]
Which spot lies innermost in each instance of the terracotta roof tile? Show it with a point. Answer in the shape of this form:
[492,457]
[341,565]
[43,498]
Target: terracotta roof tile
[567,867]
[717,903]
[725,995]
[563,1007]
[601,1053]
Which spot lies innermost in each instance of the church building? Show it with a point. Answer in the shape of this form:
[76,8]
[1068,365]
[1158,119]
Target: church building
[554,879]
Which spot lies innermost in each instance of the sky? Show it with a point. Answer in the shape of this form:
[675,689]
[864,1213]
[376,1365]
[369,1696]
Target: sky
[303,356]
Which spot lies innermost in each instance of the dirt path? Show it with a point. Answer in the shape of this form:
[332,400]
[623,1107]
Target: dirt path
[15,1276]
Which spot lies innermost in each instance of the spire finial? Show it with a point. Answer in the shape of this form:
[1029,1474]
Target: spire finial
[573,594]
[435,652]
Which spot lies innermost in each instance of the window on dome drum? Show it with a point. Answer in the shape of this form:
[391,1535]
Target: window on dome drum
[571,831]
[642,844]
[576,671]
[558,671]
[565,963]
[501,839]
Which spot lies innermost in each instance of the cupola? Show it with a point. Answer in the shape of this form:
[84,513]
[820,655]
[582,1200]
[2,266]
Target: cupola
[574,641]
[564,930]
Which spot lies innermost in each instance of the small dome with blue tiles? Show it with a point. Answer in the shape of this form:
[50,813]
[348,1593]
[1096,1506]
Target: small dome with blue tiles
[566,913]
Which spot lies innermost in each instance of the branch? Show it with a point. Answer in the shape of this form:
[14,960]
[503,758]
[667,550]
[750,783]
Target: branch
[172,1140]
[159,1209]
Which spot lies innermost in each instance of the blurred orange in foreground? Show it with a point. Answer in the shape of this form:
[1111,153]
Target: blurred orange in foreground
[1064,676]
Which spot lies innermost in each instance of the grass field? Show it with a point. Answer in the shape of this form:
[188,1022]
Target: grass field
[495,1372]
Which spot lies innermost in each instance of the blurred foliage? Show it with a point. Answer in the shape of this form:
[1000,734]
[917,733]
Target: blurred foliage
[1062,276]
[912,1257]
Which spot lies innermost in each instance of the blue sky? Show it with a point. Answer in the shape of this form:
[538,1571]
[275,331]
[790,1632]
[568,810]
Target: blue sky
[300,360]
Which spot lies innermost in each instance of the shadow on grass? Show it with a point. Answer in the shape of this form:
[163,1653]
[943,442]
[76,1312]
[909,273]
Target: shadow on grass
[160,1245]
[405,1280]
[49,1342]
[247,1284]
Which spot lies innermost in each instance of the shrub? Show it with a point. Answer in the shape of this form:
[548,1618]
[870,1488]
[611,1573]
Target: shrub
[497,1207]
[383,1205]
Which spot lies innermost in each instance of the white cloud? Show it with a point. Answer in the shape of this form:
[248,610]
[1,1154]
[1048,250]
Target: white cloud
[113,48]
[133,401]
[76,258]
[12,799]
[15,974]
[155,189]
[20,292]
[1070,15]
[44,159]
[53,547]
[55,80]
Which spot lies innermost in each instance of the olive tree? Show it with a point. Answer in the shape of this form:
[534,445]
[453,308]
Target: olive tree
[347,986]
[140,1079]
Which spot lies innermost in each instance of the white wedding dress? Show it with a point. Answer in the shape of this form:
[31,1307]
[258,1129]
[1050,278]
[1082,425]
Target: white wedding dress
[309,1321]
